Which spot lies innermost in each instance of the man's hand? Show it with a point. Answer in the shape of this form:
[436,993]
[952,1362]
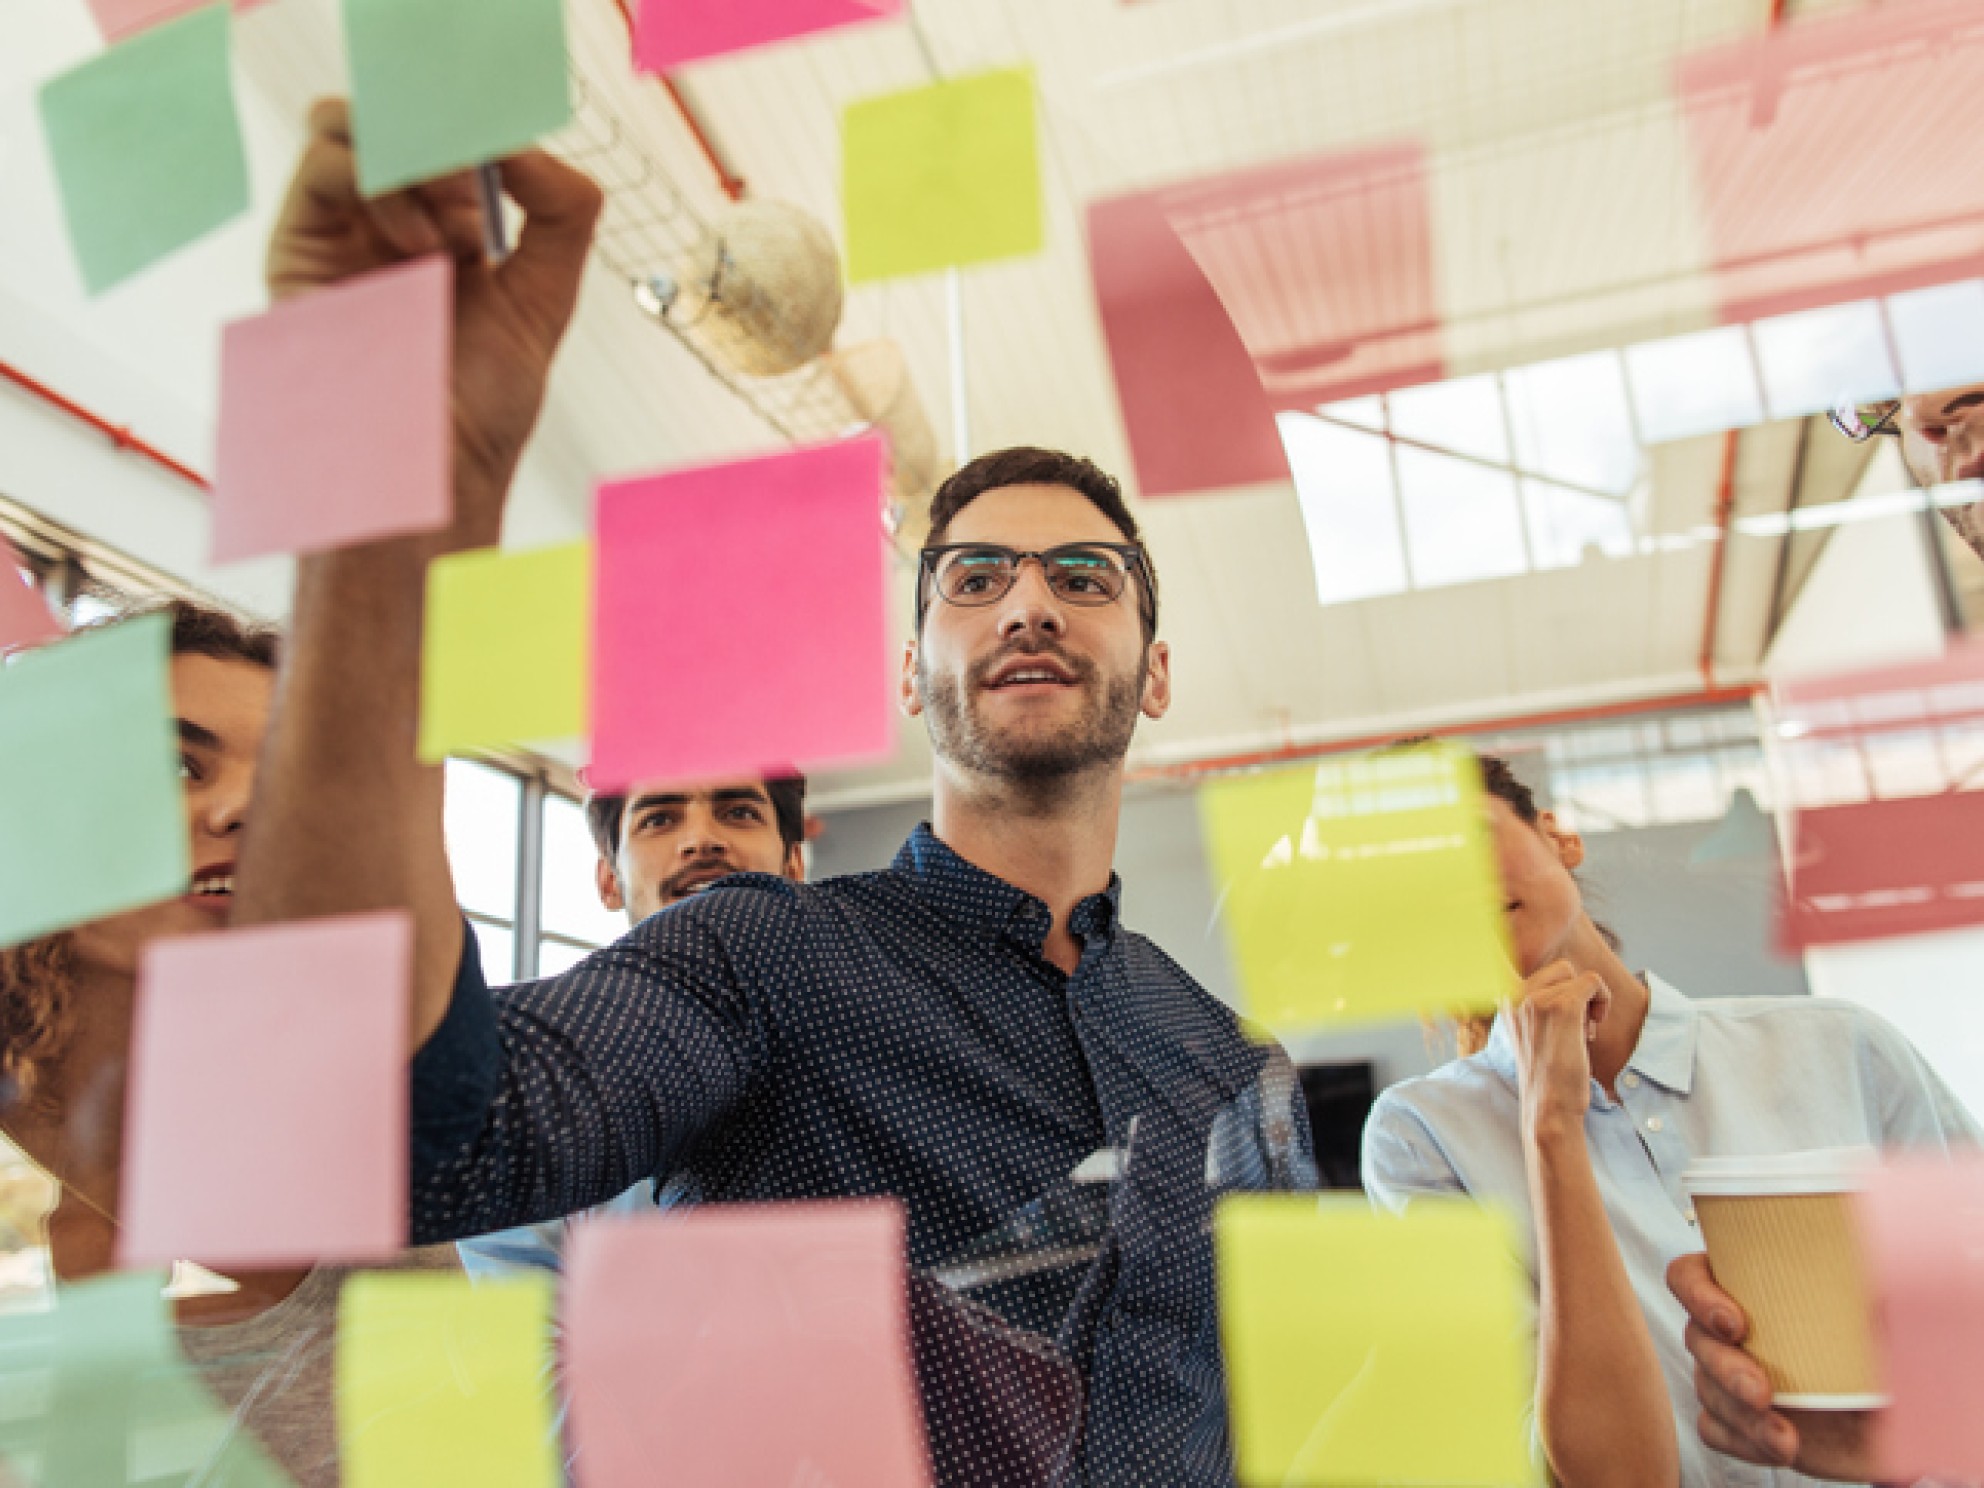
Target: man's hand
[1735,1393]
[1552,1028]
[508,317]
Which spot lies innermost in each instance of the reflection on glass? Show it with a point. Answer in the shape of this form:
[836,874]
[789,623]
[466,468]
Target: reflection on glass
[1461,519]
[570,893]
[1702,383]
[1566,527]
[1939,335]
[1343,480]
[1366,413]
[1572,424]
[481,825]
[1815,359]
[1685,788]
[1463,415]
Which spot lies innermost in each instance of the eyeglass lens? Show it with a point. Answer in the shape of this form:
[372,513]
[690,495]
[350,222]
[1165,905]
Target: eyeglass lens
[1083,576]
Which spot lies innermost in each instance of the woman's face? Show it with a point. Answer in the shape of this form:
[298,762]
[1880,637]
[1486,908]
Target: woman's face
[1539,896]
[223,711]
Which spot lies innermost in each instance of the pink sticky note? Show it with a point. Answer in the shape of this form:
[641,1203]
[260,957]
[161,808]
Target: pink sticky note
[266,1121]
[668,33]
[740,618]
[25,619]
[117,19]
[334,416]
[1180,367]
[1920,1219]
[744,1345]
[1796,216]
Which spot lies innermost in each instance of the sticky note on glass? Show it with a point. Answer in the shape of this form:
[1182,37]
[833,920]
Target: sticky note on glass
[96,1393]
[266,1117]
[941,176]
[441,85]
[117,19]
[25,619]
[680,1329]
[335,421]
[89,754]
[696,673]
[443,1382]
[1417,1371]
[668,33]
[507,649]
[1919,1220]
[1359,889]
[147,146]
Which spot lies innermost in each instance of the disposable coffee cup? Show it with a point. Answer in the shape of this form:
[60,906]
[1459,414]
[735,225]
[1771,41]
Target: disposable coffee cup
[1781,1241]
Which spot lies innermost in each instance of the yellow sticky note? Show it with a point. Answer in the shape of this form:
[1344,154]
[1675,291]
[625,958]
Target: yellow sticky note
[1364,1347]
[941,176]
[441,1382]
[1359,889]
[507,650]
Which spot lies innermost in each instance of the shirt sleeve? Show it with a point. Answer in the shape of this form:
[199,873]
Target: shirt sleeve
[1916,1108]
[547,1098]
[1401,1161]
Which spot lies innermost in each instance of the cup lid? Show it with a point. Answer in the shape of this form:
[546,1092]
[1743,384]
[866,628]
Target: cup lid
[1818,1170]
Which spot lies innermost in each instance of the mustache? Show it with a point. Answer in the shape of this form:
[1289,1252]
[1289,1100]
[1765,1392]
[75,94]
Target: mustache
[677,883]
[1081,671]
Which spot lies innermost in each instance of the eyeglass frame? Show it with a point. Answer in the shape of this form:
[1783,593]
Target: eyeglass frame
[1136,564]
[1840,412]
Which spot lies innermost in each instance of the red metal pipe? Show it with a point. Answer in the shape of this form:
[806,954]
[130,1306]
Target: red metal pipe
[731,185]
[1592,713]
[1725,508]
[120,436]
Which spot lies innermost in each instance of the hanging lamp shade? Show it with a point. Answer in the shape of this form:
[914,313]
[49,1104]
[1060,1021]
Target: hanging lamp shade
[875,377]
[761,291]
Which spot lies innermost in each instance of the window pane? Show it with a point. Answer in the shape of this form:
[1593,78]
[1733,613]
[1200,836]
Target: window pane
[1815,359]
[570,903]
[1460,518]
[1344,481]
[1697,384]
[499,952]
[1940,335]
[481,825]
[1366,413]
[1572,423]
[554,957]
[1464,415]
[1566,527]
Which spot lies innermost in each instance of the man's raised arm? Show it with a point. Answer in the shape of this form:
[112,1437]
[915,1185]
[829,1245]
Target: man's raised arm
[346,818]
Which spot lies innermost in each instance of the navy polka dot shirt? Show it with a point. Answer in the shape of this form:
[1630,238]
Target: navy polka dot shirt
[893,1033]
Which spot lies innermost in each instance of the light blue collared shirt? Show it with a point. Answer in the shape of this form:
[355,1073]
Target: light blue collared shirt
[1733,1077]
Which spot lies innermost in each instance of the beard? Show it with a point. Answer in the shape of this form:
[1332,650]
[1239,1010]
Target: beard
[1032,761]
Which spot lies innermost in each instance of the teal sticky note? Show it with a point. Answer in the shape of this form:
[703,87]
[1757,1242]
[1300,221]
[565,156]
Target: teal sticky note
[147,146]
[92,820]
[439,85]
[95,1392]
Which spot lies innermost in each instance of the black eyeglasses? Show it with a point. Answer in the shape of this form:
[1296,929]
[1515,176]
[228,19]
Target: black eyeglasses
[1861,422]
[972,574]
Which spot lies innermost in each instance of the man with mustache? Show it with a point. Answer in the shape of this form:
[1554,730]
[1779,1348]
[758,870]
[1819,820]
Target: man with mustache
[1942,440]
[958,1031]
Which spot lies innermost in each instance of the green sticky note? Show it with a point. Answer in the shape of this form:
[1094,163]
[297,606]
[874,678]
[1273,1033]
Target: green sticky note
[441,85]
[1364,1347]
[507,649]
[442,1382]
[1359,889]
[941,176]
[92,817]
[95,1392]
[147,146]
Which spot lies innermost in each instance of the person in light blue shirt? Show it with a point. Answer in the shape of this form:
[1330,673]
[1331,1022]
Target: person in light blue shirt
[661,845]
[1578,1111]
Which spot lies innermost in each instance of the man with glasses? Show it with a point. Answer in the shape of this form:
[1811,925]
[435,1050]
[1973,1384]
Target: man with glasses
[1942,440]
[960,1031]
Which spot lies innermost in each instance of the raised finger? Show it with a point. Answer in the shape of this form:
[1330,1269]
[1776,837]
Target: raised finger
[561,208]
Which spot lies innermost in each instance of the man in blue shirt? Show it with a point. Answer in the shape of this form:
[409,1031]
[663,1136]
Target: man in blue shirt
[959,1031]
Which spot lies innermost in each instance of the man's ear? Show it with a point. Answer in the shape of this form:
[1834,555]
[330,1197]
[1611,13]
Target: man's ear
[795,863]
[1569,845]
[909,697]
[1157,680]
[608,884]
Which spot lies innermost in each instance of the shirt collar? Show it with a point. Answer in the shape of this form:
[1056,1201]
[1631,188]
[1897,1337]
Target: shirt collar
[969,896]
[1665,1053]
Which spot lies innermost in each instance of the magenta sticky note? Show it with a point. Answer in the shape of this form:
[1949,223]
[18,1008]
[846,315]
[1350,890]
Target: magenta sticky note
[1920,1219]
[266,1120]
[117,19]
[740,618]
[744,1345]
[334,416]
[25,619]
[668,33]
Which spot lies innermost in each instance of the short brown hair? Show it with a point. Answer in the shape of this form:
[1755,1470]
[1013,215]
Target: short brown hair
[605,812]
[35,1011]
[1027,466]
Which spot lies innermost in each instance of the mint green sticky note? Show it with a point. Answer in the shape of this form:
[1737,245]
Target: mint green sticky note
[439,85]
[147,146]
[96,1392]
[92,819]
